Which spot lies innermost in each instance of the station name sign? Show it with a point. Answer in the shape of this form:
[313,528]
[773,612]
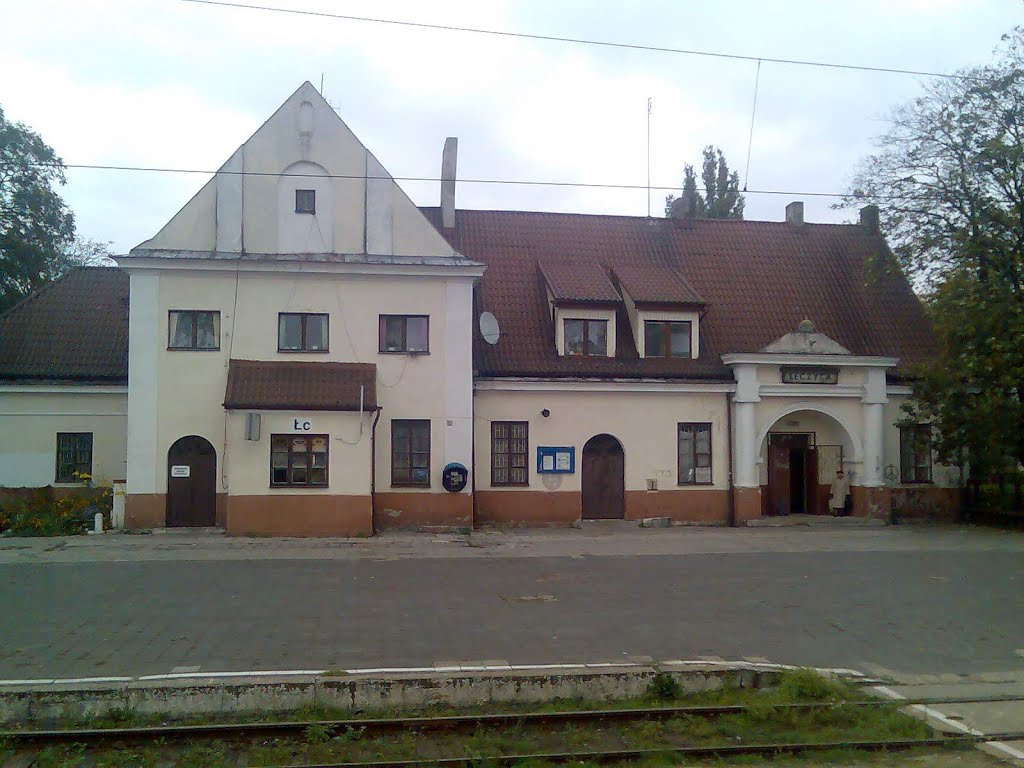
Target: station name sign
[810,375]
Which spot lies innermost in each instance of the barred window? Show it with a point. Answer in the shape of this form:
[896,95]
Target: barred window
[509,452]
[74,456]
[694,454]
[916,454]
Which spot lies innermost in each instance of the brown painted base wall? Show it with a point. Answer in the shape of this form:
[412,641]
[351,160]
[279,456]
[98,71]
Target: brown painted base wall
[539,508]
[869,502]
[683,505]
[395,510]
[926,503]
[747,504]
[294,515]
[145,510]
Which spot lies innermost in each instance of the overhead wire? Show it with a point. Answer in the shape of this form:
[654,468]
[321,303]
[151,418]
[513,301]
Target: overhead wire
[580,40]
[431,179]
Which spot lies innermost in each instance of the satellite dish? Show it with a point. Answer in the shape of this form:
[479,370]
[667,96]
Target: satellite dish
[489,328]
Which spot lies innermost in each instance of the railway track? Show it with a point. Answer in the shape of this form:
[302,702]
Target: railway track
[27,743]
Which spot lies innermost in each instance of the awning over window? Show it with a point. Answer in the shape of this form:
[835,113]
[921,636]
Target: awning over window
[285,385]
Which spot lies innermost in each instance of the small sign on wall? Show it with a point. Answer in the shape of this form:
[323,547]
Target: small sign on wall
[302,425]
[181,470]
[809,375]
[556,460]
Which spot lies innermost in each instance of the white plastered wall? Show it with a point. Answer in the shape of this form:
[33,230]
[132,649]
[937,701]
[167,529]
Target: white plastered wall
[30,421]
[645,423]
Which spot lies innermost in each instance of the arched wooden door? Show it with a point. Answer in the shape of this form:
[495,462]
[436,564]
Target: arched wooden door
[603,479]
[191,483]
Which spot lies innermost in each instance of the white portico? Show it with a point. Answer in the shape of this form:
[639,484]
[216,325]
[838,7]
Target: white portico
[804,408]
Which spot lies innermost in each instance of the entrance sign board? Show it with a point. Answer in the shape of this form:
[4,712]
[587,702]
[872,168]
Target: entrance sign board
[179,470]
[809,375]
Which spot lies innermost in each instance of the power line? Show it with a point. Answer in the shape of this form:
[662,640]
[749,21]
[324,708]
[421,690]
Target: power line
[581,41]
[433,179]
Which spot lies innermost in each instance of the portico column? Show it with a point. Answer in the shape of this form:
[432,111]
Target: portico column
[870,501]
[746,483]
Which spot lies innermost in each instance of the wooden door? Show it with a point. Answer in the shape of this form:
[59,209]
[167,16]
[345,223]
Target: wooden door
[191,484]
[603,479]
[779,500]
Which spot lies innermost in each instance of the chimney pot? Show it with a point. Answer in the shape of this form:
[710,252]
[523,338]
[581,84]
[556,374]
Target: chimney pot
[869,218]
[795,214]
[449,160]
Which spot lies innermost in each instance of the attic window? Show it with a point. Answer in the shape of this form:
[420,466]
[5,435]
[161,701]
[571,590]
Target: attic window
[586,337]
[305,201]
[667,338]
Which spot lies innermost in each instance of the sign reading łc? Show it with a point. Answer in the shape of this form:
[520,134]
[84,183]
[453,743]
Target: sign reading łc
[809,375]
[301,425]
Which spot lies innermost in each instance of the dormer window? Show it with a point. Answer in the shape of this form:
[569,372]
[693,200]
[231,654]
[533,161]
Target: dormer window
[305,201]
[667,338]
[587,338]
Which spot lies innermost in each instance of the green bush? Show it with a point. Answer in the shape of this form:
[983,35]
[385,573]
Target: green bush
[40,514]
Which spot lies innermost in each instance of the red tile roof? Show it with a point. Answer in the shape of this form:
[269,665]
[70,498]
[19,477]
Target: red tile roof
[279,385]
[758,279]
[74,329]
[656,284]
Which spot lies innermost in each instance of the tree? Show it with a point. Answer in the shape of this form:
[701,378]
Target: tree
[948,178]
[721,198]
[37,230]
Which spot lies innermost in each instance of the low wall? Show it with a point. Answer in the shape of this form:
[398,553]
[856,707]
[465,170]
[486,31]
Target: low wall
[396,510]
[57,703]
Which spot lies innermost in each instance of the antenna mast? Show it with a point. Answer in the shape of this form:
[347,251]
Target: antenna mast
[650,102]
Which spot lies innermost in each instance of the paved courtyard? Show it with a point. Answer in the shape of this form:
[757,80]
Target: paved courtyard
[909,599]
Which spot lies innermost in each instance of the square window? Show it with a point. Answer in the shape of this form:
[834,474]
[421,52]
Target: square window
[305,201]
[586,337]
[302,332]
[193,329]
[299,460]
[404,334]
[667,338]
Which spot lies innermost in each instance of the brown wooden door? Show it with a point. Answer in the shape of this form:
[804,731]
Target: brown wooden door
[603,479]
[778,479]
[191,484]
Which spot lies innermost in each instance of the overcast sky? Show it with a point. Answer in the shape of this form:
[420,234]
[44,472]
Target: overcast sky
[174,84]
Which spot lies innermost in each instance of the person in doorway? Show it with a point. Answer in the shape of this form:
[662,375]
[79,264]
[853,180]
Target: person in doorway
[840,491]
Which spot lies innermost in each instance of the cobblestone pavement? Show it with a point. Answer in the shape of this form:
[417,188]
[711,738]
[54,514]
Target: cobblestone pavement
[916,600]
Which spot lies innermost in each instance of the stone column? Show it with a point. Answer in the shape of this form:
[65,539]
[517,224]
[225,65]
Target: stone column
[869,500]
[746,483]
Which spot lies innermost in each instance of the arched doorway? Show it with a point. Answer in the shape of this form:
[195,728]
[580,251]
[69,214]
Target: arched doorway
[191,483]
[801,451]
[603,479]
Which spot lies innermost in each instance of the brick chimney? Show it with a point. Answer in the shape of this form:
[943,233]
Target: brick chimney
[869,218]
[449,160]
[681,212]
[795,214]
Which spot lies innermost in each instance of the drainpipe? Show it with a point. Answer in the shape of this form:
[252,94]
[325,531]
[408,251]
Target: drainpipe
[373,467]
[728,437]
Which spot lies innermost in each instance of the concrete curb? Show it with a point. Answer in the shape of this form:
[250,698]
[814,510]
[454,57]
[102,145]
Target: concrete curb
[62,701]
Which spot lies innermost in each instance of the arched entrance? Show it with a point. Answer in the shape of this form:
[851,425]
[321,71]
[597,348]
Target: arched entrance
[801,451]
[603,479]
[191,483]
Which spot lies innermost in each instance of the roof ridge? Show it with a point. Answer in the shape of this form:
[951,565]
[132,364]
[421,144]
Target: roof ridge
[34,295]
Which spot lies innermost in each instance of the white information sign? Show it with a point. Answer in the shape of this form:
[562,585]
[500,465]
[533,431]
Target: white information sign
[180,470]
[562,461]
[548,462]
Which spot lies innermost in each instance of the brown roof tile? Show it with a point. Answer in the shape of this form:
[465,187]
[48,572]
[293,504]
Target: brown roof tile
[656,284]
[279,385]
[74,329]
[758,279]
[579,281]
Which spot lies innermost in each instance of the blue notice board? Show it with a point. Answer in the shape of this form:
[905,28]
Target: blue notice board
[560,460]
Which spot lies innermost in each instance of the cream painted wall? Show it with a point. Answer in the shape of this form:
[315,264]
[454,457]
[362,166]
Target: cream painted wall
[435,386]
[348,456]
[30,421]
[578,313]
[644,422]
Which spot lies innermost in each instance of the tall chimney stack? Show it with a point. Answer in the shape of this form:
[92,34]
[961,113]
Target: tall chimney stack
[449,160]
[869,218]
[795,214]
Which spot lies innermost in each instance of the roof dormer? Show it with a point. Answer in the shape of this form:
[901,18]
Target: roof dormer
[663,309]
[583,304]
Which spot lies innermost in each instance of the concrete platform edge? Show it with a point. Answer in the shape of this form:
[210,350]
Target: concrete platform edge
[62,702]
